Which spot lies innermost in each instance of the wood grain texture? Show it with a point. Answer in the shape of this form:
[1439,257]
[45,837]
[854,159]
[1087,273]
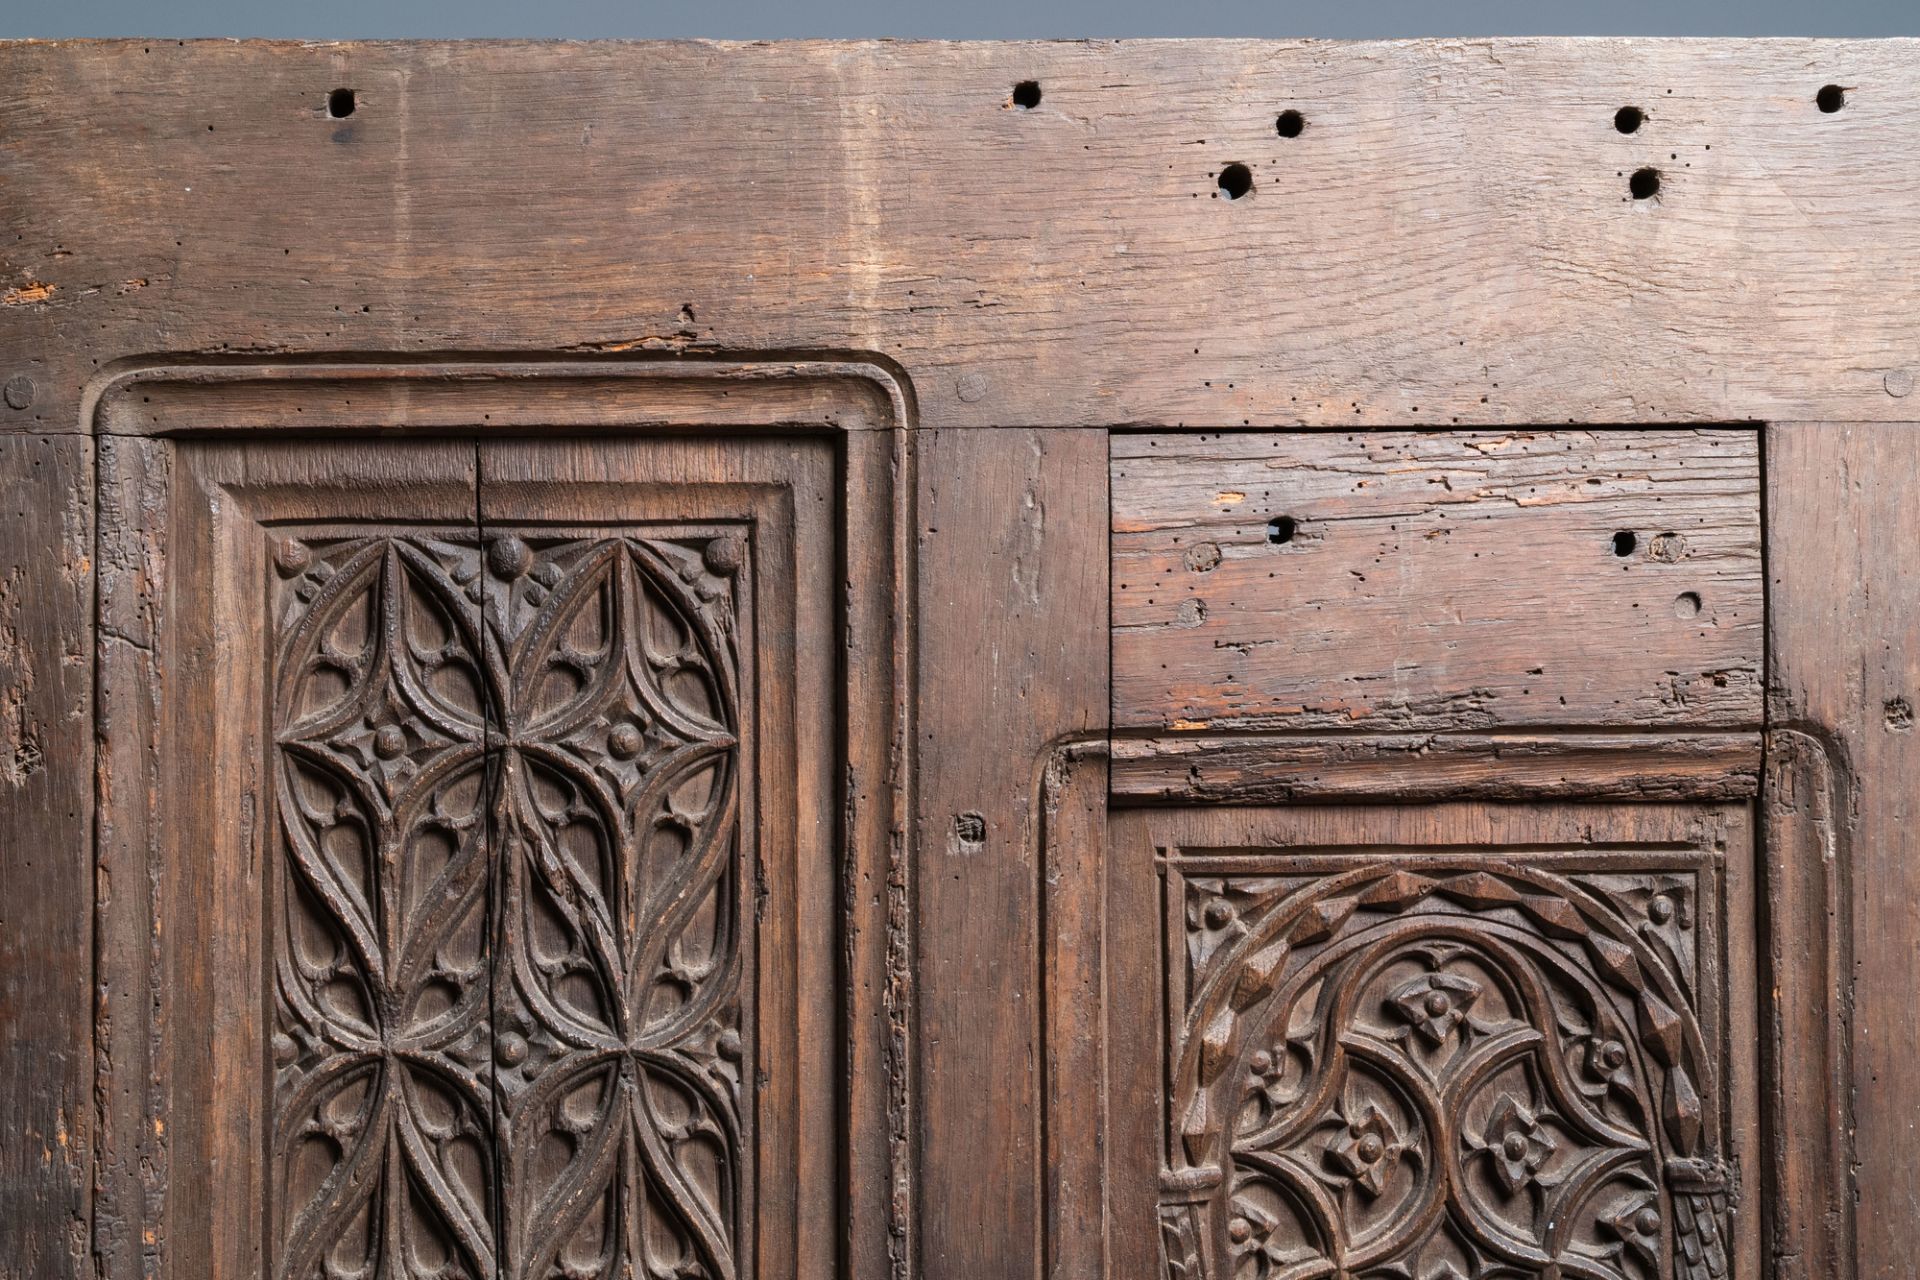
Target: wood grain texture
[1432,581]
[46,876]
[1448,236]
[1845,676]
[1279,769]
[1012,630]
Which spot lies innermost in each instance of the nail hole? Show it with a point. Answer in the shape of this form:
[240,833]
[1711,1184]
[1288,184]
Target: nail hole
[1645,183]
[1686,605]
[1830,98]
[1236,180]
[1026,95]
[340,103]
[1624,542]
[1280,530]
[1629,119]
[1289,124]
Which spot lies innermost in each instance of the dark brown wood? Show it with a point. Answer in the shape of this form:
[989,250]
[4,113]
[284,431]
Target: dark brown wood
[1392,581]
[1439,1035]
[1451,239]
[1845,676]
[523,943]
[1012,583]
[856,292]
[46,824]
[1275,768]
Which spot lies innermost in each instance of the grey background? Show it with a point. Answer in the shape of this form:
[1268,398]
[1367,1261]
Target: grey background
[954,19]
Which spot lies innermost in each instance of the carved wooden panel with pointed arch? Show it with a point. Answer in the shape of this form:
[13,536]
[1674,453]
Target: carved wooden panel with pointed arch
[1433,1041]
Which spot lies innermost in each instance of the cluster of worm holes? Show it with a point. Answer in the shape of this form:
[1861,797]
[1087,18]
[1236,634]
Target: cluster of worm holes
[1281,530]
[1235,181]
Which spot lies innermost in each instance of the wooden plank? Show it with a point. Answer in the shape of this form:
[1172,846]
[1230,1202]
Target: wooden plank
[1274,769]
[1844,680]
[1449,238]
[1401,580]
[46,873]
[1012,588]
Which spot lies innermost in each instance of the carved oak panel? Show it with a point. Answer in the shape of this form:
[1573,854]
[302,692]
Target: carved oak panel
[549,725]
[1448,1041]
[508,948]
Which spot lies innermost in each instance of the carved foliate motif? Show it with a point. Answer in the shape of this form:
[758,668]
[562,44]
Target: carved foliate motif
[1437,1068]
[511,1019]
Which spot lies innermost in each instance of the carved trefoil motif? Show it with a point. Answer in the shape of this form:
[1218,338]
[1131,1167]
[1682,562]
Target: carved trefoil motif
[512,1001]
[1444,1067]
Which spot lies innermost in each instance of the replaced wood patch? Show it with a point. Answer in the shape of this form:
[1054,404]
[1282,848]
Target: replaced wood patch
[1429,580]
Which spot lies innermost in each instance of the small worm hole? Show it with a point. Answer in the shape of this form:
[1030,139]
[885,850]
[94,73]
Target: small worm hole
[1830,98]
[1026,95]
[1236,180]
[340,103]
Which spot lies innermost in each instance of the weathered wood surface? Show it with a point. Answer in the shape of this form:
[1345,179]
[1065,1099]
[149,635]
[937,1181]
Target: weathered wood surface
[1844,646]
[810,527]
[1449,242]
[1247,769]
[46,857]
[1011,658]
[1450,234]
[1436,581]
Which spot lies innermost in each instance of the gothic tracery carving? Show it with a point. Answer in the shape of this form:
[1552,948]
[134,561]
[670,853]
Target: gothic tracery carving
[1440,1068]
[511,1016]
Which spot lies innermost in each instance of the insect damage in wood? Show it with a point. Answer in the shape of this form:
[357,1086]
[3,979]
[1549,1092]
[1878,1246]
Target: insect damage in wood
[1435,579]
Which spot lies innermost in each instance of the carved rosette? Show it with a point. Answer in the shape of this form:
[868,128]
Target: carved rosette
[511,1021]
[1469,1070]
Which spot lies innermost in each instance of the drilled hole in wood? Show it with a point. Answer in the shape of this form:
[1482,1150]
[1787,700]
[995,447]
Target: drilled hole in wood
[1629,119]
[1686,605]
[1830,98]
[1289,123]
[1624,542]
[1280,530]
[1026,95]
[1645,183]
[340,103]
[1236,180]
